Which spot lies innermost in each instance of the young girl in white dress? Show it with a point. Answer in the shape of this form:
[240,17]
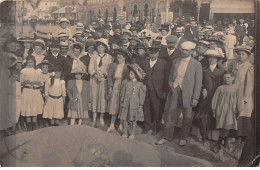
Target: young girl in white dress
[55,93]
[32,101]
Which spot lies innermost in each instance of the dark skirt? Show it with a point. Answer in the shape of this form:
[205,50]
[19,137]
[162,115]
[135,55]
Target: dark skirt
[244,126]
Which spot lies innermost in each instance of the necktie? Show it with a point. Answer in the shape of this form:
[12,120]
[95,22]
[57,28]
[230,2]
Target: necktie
[100,62]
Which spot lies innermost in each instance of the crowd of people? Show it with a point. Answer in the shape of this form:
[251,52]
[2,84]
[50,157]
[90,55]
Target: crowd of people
[182,73]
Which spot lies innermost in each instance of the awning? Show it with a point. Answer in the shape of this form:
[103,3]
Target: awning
[232,6]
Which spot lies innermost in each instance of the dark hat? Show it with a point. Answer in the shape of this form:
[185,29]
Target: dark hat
[89,43]
[171,39]
[77,45]
[107,27]
[45,62]
[125,53]
[135,39]
[133,29]
[155,46]
[116,40]
[140,45]
[164,27]
[55,44]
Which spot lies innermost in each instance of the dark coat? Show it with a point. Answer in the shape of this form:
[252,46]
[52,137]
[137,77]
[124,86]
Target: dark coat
[168,58]
[157,77]
[56,61]
[112,71]
[240,30]
[72,93]
[212,80]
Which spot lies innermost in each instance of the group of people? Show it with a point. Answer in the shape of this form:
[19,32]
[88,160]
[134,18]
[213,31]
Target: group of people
[195,75]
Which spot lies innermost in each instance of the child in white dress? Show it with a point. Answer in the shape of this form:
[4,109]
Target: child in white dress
[32,101]
[55,93]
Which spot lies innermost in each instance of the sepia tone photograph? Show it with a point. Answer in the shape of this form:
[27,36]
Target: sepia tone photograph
[129,83]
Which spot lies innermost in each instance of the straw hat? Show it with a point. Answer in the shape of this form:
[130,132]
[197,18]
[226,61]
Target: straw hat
[64,20]
[45,62]
[212,53]
[138,70]
[103,41]
[243,48]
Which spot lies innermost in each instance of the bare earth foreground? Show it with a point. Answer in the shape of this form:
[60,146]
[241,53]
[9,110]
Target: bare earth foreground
[86,146]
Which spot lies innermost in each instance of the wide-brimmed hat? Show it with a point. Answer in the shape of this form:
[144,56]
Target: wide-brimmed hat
[188,45]
[103,41]
[138,70]
[78,44]
[164,27]
[39,42]
[25,39]
[46,62]
[245,48]
[212,53]
[80,25]
[64,20]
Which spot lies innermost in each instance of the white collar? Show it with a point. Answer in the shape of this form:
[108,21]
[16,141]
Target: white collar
[55,55]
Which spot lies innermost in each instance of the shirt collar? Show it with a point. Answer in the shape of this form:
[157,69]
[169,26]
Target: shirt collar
[55,55]
[153,61]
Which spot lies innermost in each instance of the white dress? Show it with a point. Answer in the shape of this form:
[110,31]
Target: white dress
[32,101]
[54,107]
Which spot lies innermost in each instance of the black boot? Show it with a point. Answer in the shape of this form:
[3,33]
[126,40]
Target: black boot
[29,126]
[34,126]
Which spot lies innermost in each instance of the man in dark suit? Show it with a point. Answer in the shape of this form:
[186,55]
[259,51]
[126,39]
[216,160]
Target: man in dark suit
[54,57]
[240,31]
[185,82]
[169,52]
[156,79]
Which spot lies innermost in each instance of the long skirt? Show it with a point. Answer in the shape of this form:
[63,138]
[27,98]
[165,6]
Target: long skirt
[79,113]
[32,102]
[244,125]
[230,53]
[115,98]
[54,108]
[97,95]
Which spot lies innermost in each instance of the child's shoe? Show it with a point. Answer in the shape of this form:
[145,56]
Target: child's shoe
[132,137]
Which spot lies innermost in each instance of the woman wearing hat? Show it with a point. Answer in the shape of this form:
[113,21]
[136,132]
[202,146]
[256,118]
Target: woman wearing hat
[98,69]
[212,79]
[10,46]
[141,54]
[145,37]
[165,31]
[117,75]
[27,45]
[39,50]
[74,60]
[244,72]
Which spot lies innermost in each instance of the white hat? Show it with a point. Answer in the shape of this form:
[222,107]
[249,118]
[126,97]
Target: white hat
[188,45]
[64,20]
[80,25]
[103,41]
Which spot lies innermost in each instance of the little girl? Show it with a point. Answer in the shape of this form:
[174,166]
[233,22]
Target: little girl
[78,93]
[55,93]
[98,69]
[227,104]
[117,75]
[32,101]
[132,99]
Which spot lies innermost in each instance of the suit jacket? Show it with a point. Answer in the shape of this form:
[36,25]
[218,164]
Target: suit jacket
[240,30]
[169,58]
[157,77]
[192,81]
[112,71]
[56,61]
